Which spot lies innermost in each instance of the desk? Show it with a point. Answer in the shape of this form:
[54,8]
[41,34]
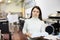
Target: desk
[40,38]
[48,37]
[52,37]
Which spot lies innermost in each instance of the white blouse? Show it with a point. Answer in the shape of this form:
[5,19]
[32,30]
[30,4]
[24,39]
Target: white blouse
[33,25]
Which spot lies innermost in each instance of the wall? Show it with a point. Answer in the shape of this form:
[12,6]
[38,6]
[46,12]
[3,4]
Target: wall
[11,7]
[47,6]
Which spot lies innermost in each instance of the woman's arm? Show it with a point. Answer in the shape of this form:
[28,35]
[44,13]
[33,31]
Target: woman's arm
[44,33]
[25,30]
[43,26]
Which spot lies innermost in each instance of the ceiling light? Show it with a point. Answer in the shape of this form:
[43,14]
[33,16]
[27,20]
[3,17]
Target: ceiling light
[1,0]
[9,1]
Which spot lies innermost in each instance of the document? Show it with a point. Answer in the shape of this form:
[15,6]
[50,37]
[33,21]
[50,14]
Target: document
[51,37]
[39,34]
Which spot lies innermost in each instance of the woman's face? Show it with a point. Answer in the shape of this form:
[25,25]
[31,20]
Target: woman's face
[35,13]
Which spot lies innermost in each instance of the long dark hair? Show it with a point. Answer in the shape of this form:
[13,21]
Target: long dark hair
[40,14]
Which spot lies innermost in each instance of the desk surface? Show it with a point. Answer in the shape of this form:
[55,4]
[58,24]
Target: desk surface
[52,37]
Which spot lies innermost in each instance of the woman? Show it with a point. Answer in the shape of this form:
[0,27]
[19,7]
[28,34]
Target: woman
[34,25]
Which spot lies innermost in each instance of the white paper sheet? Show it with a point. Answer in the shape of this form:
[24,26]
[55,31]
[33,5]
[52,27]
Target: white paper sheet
[38,34]
[51,37]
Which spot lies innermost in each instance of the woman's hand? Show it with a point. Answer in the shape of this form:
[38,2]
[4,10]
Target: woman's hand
[28,34]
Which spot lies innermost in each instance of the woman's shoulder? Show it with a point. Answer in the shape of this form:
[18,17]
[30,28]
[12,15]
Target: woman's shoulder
[26,20]
[41,21]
